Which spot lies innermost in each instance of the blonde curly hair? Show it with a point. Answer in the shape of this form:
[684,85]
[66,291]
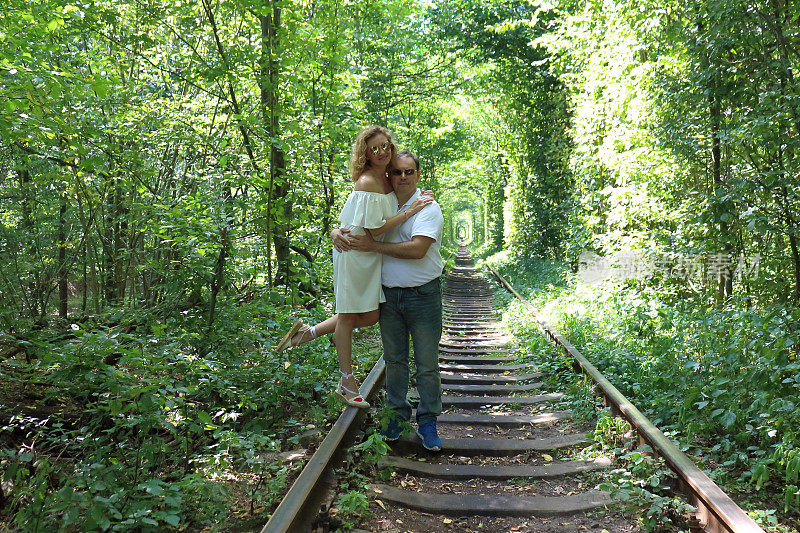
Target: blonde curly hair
[358,155]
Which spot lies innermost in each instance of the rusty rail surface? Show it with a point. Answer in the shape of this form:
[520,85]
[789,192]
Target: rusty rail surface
[299,508]
[715,509]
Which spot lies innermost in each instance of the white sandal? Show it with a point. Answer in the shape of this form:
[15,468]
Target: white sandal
[286,341]
[297,327]
[355,401]
[311,330]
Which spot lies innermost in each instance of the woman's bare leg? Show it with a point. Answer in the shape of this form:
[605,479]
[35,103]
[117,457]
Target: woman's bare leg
[343,338]
[306,333]
[328,326]
[370,318]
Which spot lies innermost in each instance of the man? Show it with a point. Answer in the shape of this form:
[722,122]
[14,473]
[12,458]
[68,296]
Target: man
[412,265]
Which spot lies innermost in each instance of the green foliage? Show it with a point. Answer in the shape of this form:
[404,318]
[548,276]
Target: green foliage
[353,506]
[160,433]
[720,381]
[646,481]
[785,461]
[528,120]
[171,171]
[680,141]
[143,200]
[374,447]
[612,433]
[352,503]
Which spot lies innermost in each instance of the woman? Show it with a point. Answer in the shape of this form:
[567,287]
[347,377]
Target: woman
[357,275]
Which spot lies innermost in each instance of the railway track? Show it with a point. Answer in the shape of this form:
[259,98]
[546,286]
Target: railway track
[507,456]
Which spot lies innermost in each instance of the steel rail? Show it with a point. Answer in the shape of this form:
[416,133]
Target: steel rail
[716,511]
[299,508]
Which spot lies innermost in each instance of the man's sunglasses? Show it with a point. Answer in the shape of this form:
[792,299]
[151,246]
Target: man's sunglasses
[384,147]
[400,172]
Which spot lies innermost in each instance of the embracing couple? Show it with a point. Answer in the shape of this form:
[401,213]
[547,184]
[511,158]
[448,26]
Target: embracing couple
[386,268]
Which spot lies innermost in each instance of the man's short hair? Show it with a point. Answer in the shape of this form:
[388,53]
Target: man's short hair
[412,155]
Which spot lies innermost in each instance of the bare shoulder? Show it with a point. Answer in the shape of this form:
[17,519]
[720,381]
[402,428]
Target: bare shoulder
[368,183]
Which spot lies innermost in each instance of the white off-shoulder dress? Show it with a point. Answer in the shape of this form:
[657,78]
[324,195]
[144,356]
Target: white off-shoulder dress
[357,275]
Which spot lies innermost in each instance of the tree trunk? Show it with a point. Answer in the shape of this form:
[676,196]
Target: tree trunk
[32,298]
[85,261]
[63,292]
[724,273]
[270,113]
[121,250]
[788,87]
[224,250]
[329,198]
[113,284]
[796,260]
[791,230]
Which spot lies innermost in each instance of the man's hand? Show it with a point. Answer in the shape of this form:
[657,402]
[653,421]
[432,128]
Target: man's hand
[341,239]
[363,243]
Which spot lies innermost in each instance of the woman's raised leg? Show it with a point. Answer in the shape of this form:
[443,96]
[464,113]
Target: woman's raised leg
[308,333]
[369,318]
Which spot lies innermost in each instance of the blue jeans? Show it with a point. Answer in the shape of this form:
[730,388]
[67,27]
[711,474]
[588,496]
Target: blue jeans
[415,312]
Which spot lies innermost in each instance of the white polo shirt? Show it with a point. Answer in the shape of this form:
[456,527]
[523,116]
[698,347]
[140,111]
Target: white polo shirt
[429,222]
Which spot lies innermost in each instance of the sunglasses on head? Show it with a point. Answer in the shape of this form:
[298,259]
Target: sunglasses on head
[383,147]
[400,172]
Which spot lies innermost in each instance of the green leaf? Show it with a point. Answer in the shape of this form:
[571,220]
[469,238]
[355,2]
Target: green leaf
[152,486]
[100,87]
[100,518]
[204,417]
[728,418]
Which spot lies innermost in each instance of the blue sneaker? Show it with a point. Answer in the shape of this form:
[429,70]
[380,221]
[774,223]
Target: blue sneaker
[394,429]
[430,437]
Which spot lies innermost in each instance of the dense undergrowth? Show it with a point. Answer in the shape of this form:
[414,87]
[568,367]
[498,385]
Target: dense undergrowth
[722,381]
[164,427]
